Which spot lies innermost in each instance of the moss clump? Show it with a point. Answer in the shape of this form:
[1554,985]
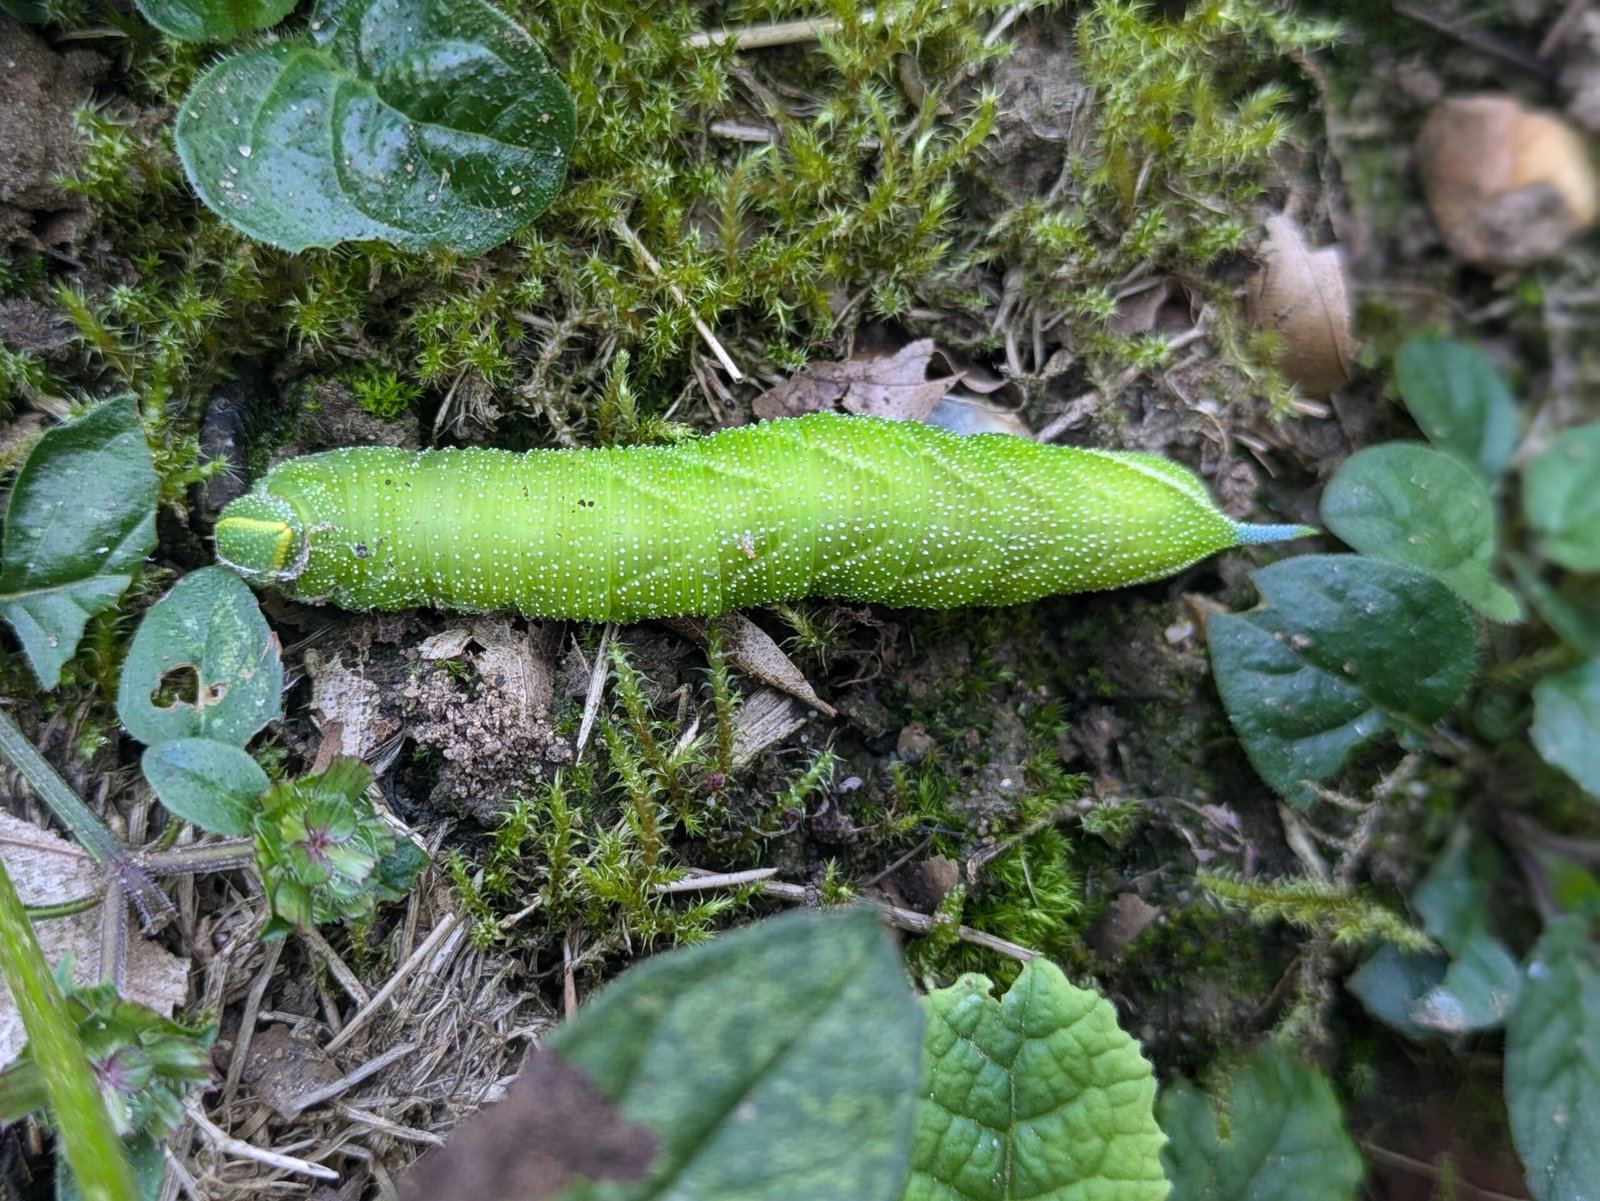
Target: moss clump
[1188,122]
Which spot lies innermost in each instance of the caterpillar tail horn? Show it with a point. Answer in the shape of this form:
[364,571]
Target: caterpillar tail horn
[1257,535]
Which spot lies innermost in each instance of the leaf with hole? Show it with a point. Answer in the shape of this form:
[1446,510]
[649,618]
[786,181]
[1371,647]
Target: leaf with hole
[1406,503]
[1459,401]
[1341,649]
[1561,495]
[1037,1094]
[79,522]
[213,20]
[778,1063]
[202,664]
[1281,1136]
[1566,723]
[426,123]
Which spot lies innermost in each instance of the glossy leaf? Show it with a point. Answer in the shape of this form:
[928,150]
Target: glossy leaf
[1479,988]
[213,784]
[1390,983]
[202,664]
[1038,1094]
[1282,1138]
[778,1063]
[1561,495]
[1341,649]
[1566,723]
[79,522]
[1458,399]
[1406,503]
[1553,1066]
[213,20]
[426,123]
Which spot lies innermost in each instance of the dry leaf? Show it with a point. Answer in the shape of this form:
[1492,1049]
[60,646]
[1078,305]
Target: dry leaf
[1508,186]
[751,650]
[962,414]
[766,718]
[551,1126]
[349,708]
[1164,305]
[1301,293]
[48,870]
[895,386]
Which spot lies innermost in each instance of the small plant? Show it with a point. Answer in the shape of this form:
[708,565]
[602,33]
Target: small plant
[380,391]
[1345,648]
[144,1063]
[324,855]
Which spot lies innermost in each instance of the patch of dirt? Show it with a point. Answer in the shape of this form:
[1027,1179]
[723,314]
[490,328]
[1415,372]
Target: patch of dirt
[39,88]
[1043,115]
[486,712]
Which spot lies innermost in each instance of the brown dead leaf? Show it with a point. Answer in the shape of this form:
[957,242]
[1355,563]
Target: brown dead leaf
[923,884]
[49,870]
[766,718]
[1509,186]
[752,651]
[1164,305]
[1124,920]
[895,386]
[551,1126]
[1301,293]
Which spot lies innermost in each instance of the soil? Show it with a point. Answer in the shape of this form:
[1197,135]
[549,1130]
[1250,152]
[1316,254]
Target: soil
[39,89]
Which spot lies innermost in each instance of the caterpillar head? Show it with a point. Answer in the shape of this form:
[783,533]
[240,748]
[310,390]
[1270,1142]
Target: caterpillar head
[263,539]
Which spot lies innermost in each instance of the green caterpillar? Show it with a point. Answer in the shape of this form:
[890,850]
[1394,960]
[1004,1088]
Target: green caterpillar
[825,505]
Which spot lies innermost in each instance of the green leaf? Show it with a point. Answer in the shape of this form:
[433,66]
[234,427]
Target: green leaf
[426,123]
[1553,1066]
[1566,723]
[1038,1094]
[1391,982]
[778,1063]
[1572,611]
[206,649]
[1281,1139]
[1459,401]
[79,523]
[1408,504]
[213,784]
[146,1157]
[89,1144]
[1341,649]
[1480,986]
[213,20]
[30,11]
[1562,498]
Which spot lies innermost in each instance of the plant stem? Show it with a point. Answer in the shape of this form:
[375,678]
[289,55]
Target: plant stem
[91,833]
[88,1142]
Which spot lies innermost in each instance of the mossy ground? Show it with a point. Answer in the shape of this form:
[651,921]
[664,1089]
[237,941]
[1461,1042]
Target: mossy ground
[904,175]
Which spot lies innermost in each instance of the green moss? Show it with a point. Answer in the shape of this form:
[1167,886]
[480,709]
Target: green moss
[1189,116]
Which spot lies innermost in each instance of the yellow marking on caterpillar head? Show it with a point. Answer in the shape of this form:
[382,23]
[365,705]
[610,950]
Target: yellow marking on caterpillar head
[261,538]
